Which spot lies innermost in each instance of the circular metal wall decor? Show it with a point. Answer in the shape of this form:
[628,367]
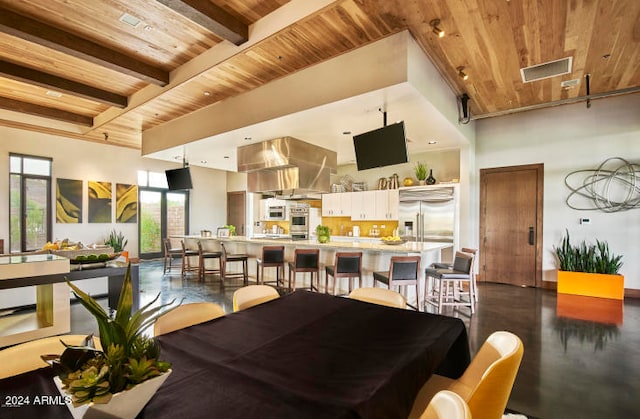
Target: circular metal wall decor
[614,186]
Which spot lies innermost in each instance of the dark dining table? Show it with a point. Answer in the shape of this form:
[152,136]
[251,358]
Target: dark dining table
[304,355]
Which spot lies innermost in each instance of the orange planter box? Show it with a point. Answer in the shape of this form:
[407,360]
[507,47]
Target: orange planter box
[591,285]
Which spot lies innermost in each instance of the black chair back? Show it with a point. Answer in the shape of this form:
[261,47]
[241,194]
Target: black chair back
[404,270]
[273,254]
[307,259]
[348,264]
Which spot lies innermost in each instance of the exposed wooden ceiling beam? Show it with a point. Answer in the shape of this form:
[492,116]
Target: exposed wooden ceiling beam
[37,32]
[212,17]
[49,81]
[46,112]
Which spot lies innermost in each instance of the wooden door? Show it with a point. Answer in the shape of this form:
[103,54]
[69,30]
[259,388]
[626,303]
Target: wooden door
[236,211]
[511,225]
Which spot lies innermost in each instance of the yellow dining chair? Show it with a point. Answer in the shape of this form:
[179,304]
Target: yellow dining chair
[252,295]
[186,315]
[486,383]
[25,357]
[447,405]
[380,296]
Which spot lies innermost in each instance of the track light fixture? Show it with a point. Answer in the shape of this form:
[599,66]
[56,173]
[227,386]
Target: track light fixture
[462,74]
[435,28]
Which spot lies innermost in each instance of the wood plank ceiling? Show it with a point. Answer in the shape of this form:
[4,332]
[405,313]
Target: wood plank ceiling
[74,68]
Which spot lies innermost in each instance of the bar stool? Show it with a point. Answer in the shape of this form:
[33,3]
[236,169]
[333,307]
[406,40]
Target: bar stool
[403,271]
[203,256]
[459,287]
[272,257]
[305,260]
[460,271]
[473,282]
[169,253]
[346,265]
[234,257]
[186,263]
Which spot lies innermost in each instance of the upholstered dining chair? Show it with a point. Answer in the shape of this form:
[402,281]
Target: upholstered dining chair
[186,259]
[346,265]
[272,257]
[445,290]
[403,271]
[380,296]
[486,383]
[227,257]
[447,405]
[203,256]
[169,253]
[305,260]
[252,295]
[25,357]
[186,315]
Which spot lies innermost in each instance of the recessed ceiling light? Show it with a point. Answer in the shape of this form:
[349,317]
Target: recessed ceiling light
[226,157]
[204,161]
[148,28]
[177,157]
[346,132]
[53,94]
[433,142]
[207,93]
[247,138]
[129,20]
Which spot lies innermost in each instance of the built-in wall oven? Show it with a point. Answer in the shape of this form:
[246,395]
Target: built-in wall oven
[299,221]
[276,213]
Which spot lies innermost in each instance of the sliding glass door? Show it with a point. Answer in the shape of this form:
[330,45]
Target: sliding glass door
[162,214]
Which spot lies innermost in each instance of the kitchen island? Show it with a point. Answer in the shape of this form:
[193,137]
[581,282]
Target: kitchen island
[375,254]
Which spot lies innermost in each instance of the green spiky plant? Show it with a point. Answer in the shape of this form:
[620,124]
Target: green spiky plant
[587,258]
[421,171]
[128,356]
[117,241]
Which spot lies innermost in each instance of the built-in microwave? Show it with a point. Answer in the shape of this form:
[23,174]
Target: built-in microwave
[276,213]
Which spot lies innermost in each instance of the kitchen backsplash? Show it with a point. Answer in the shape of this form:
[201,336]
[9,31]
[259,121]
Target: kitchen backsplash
[341,226]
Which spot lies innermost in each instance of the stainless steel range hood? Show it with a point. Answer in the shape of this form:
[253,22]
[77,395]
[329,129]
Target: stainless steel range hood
[287,167]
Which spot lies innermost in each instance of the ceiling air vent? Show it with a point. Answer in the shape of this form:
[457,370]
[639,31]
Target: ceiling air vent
[546,70]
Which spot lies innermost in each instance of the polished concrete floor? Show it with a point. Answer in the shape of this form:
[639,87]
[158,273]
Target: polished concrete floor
[573,367]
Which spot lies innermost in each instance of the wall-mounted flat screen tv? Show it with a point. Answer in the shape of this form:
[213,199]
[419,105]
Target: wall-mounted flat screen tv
[381,147]
[179,179]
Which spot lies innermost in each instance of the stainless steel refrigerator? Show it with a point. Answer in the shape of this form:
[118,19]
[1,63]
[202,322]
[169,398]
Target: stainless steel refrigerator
[429,214]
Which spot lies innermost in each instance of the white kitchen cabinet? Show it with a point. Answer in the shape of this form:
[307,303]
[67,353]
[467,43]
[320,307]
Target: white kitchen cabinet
[336,204]
[387,204]
[374,205]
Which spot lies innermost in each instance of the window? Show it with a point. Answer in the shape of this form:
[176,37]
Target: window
[29,202]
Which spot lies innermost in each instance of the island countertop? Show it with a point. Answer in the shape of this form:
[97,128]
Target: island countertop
[366,246]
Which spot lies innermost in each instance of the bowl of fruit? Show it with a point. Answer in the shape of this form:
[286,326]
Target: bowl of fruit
[392,240]
[94,258]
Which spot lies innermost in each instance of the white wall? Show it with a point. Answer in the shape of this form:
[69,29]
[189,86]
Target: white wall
[566,139]
[75,159]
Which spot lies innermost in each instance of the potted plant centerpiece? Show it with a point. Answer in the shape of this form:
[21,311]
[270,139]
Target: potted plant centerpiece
[323,233]
[421,172]
[589,270]
[117,241]
[122,377]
